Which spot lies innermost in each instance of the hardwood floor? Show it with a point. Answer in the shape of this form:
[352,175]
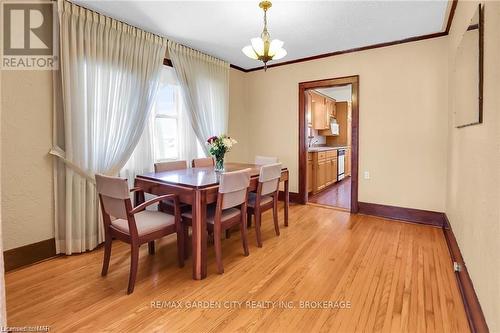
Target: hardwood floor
[397,277]
[338,195]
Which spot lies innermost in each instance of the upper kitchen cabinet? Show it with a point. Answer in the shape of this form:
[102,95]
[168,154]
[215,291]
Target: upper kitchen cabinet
[343,117]
[322,110]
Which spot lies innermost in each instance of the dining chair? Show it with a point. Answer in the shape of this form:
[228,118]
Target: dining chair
[169,166]
[262,160]
[230,211]
[203,162]
[265,198]
[135,225]
[167,205]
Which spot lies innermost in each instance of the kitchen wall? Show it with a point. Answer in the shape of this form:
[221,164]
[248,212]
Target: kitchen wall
[403,119]
[473,189]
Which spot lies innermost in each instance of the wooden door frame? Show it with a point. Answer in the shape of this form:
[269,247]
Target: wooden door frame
[340,81]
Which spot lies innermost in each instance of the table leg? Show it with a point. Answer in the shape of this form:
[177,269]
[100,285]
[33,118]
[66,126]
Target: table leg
[287,201]
[139,198]
[199,236]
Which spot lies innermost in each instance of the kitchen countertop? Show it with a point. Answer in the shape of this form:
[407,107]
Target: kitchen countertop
[324,148]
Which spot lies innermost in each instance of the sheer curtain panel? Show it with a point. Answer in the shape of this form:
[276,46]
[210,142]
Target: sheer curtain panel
[109,78]
[205,87]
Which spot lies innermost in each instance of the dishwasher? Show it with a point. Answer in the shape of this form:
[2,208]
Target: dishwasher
[341,164]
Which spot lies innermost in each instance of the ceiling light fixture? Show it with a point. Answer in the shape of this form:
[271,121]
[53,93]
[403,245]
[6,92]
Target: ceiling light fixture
[262,47]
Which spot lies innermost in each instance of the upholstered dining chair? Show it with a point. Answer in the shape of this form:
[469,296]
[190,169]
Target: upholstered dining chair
[263,160]
[265,198]
[169,166]
[203,162]
[167,206]
[134,225]
[230,211]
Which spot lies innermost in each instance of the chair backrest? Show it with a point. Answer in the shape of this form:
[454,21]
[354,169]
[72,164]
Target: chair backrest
[203,162]
[263,160]
[113,191]
[269,178]
[168,166]
[233,187]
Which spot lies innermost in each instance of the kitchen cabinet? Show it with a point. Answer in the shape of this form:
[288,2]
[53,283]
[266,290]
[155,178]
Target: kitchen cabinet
[323,170]
[331,167]
[321,175]
[322,109]
[309,172]
[328,172]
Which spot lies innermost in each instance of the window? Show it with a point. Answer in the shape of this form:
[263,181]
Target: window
[167,111]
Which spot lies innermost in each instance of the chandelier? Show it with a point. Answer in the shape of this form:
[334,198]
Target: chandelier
[263,48]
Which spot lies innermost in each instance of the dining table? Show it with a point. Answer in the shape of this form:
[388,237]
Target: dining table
[198,187]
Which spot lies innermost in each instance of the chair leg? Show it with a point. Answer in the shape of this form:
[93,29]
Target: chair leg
[151,247]
[180,245]
[258,217]
[228,233]
[210,238]
[218,248]
[249,219]
[107,255]
[134,260]
[275,216]
[186,241]
[244,235]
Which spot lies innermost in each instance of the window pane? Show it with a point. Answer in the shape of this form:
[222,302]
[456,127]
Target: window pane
[166,143]
[166,103]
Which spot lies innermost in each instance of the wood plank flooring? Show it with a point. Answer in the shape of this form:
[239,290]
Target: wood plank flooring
[397,277]
[338,195]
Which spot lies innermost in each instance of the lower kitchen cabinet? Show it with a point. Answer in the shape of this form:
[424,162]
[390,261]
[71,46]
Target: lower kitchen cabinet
[321,175]
[310,173]
[324,170]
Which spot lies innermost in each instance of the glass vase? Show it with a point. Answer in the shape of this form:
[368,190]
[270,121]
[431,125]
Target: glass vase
[219,163]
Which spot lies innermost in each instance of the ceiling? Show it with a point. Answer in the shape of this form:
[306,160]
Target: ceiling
[308,28]
[338,93]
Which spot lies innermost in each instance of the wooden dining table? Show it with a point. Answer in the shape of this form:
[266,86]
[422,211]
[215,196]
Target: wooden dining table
[198,187]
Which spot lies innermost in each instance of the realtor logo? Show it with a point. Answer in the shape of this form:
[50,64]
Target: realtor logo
[29,35]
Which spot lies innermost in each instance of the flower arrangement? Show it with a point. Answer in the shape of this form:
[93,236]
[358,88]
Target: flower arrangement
[218,146]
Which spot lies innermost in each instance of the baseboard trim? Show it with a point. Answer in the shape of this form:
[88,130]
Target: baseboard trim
[418,216]
[294,196]
[475,315]
[29,254]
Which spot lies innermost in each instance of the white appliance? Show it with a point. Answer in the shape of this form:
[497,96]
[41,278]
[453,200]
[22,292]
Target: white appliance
[341,164]
[334,126]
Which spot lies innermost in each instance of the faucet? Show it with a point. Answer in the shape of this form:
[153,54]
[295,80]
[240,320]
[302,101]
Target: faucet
[312,142]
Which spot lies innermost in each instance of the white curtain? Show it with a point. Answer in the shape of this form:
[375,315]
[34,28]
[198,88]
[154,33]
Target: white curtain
[205,86]
[143,158]
[110,73]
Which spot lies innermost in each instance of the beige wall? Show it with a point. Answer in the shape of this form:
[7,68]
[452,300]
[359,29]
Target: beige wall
[473,191]
[403,119]
[238,116]
[26,170]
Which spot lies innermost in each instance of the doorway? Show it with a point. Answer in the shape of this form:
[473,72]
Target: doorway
[329,142]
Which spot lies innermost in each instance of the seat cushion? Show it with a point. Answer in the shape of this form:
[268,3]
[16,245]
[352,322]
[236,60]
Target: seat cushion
[226,214]
[252,196]
[147,222]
